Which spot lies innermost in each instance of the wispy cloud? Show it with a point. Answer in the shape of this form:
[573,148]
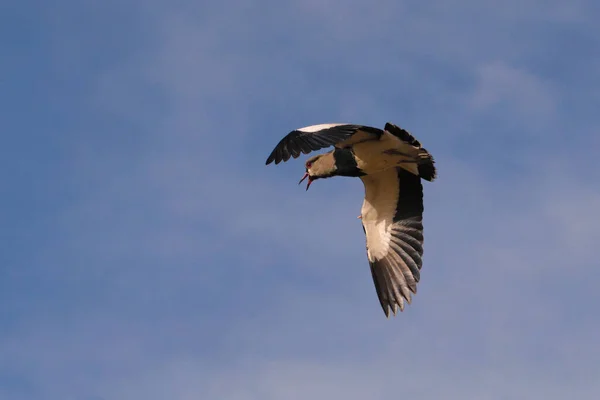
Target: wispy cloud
[513,91]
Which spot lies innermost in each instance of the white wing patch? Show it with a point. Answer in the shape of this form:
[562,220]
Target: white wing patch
[316,128]
[378,210]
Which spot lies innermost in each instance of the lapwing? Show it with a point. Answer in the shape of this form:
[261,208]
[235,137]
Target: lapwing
[391,164]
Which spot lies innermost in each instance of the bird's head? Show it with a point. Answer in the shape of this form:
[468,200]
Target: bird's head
[319,166]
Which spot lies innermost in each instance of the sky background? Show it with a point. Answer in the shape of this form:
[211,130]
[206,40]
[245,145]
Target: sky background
[148,253]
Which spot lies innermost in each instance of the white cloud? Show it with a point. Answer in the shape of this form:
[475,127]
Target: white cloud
[513,91]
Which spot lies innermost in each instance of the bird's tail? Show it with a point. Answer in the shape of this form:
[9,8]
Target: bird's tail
[425,162]
[426,165]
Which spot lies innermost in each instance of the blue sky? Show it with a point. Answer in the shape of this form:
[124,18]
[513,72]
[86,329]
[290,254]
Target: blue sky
[148,253]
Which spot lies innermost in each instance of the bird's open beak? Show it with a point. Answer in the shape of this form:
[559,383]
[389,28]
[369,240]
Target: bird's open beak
[309,180]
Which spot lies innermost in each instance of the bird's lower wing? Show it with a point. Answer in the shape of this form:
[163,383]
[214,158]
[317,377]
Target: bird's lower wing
[392,216]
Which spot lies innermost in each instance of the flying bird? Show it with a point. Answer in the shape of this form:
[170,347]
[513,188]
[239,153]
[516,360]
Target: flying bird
[391,164]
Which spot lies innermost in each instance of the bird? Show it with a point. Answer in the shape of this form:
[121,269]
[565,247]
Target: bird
[391,163]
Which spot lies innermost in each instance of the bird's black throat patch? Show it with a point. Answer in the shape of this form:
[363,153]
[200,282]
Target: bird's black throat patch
[346,163]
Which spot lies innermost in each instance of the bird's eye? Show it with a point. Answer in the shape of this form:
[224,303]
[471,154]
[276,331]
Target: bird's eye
[308,165]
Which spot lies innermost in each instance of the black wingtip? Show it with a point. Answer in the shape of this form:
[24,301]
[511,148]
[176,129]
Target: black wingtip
[386,311]
[276,157]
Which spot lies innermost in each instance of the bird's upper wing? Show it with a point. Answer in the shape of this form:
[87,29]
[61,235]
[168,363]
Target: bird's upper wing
[392,216]
[316,137]
[402,134]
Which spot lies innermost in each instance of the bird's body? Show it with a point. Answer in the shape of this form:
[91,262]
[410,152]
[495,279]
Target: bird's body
[377,155]
[391,164]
